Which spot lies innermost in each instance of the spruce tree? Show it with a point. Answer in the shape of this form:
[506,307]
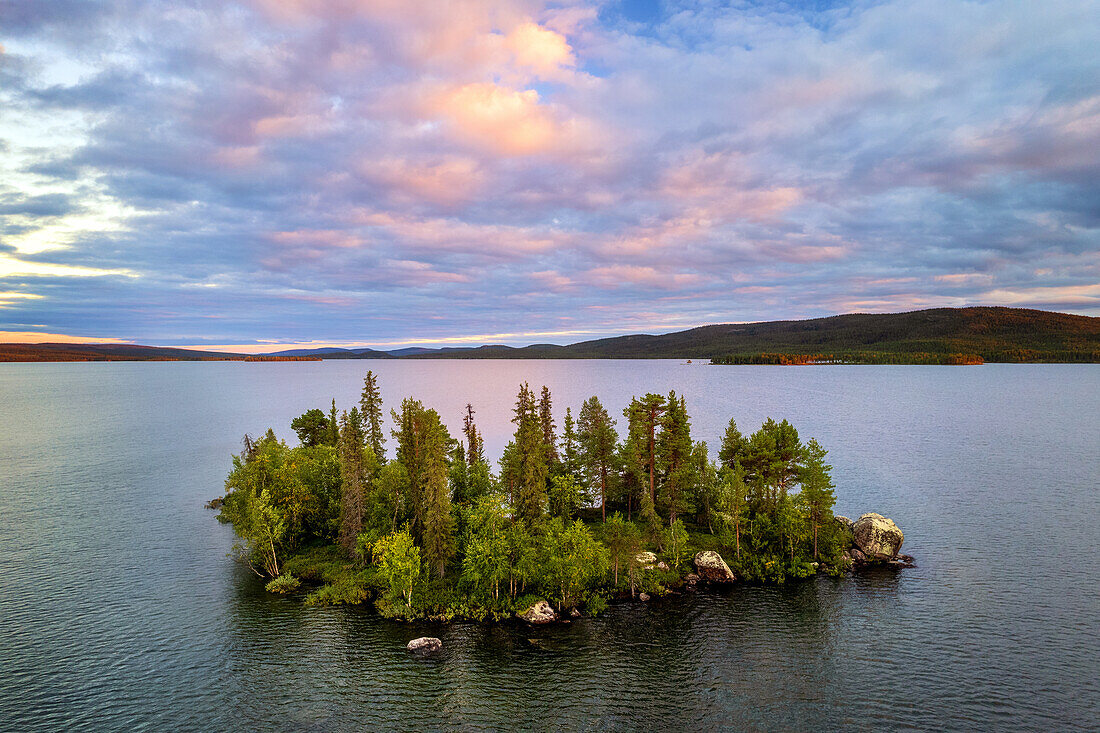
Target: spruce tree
[333,426]
[531,465]
[437,541]
[674,458]
[354,478]
[546,423]
[732,449]
[370,406]
[570,450]
[475,446]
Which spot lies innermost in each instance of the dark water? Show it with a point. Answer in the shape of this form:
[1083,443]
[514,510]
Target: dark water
[119,609]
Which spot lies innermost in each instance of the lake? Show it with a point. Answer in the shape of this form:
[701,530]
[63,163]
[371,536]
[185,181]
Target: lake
[120,609]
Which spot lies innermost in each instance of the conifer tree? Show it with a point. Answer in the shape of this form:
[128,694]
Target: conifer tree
[416,427]
[546,423]
[817,487]
[370,407]
[570,450]
[771,459]
[333,425]
[437,541]
[643,418]
[530,462]
[674,458]
[732,449]
[596,440]
[475,446]
[354,479]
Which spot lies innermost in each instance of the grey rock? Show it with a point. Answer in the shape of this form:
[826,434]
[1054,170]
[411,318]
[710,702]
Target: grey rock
[540,613]
[877,537]
[425,644]
[712,567]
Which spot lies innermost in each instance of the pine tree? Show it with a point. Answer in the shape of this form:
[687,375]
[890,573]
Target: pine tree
[644,417]
[597,440]
[370,406]
[771,459]
[817,487]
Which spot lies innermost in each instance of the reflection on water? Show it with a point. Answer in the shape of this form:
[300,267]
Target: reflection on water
[119,609]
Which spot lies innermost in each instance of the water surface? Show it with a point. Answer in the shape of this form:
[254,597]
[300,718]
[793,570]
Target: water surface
[120,610]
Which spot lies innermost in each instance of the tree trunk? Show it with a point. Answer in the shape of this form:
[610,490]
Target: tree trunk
[603,488]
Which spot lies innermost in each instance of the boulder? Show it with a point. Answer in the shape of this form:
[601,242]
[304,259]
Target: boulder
[857,555]
[712,567]
[540,613]
[425,644]
[662,566]
[843,521]
[692,578]
[215,503]
[646,559]
[643,597]
[877,537]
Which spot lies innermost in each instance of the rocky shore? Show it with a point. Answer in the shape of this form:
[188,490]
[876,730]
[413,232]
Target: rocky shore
[875,541]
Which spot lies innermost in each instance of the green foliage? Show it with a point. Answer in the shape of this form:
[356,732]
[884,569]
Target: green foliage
[433,534]
[597,444]
[528,463]
[398,558]
[312,428]
[676,467]
[624,542]
[574,561]
[595,604]
[565,496]
[284,584]
[675,543]
[370,407]
[485,564]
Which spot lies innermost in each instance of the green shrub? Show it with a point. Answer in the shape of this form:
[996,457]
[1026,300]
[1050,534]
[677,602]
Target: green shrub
[285,583]
[595,605]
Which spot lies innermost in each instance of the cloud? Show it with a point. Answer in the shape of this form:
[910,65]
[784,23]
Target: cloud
[296,171]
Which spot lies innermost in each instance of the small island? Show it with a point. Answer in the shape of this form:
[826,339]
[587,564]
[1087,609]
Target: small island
[571,520]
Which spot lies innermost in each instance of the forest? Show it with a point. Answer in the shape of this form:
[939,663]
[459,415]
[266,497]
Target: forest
[420,523]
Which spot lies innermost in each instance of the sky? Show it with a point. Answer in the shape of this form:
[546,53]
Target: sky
[388,172]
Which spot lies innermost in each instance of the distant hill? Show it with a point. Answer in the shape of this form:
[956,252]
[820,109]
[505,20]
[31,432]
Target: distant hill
[120,352]
[935,336]
[939,335]
[334,353]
